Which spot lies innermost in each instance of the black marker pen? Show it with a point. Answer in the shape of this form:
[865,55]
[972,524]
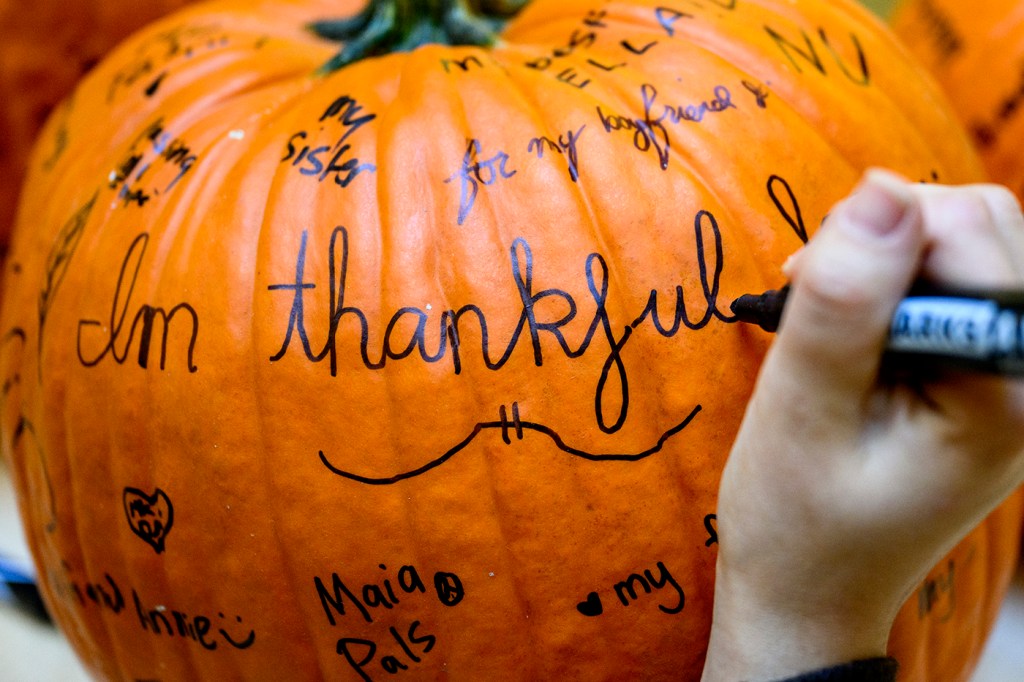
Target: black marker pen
[977,329]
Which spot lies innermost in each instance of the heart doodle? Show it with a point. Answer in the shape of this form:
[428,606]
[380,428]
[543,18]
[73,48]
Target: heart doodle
[149,516]
[591,606]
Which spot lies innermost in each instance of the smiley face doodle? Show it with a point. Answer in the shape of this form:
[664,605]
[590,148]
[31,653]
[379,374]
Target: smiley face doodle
[149,516]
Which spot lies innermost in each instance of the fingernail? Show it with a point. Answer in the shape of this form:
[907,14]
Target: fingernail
[879,203]
[789,267]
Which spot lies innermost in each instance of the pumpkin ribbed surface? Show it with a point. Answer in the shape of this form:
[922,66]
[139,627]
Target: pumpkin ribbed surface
[425,366]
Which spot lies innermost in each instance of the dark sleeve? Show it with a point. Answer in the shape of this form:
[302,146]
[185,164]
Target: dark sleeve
[867,670]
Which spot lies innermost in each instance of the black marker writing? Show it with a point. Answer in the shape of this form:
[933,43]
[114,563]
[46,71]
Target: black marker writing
[934,590]
[25,433]
[154,145]
[57,263]
[359,652]
[387,593]
[105,594]
[650,132]
[628,590]
[463,64]
[179,42]
[711,526]
[172,623]
[149,516]
[144,322]
[759,92]
[941,28]
[530,328]
[163,622]
[808,54]
[633,588]
[505,427]
[475,172]
[788,209]
[332,160]
[667,19]
[566,144]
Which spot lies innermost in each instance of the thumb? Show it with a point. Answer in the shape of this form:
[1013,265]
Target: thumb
[845,288]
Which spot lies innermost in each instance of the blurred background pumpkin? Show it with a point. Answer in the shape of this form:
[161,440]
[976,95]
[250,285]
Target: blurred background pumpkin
[976,52]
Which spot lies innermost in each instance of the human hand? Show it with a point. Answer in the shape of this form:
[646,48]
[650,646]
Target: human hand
[841,492]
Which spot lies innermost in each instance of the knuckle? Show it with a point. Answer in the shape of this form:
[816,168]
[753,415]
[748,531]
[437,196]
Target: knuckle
[1001,199]
[959,212]
[968,211]
[1005,208]
[830,284]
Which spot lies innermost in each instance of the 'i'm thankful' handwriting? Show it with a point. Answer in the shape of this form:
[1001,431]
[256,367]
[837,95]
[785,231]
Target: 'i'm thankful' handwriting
[530,328]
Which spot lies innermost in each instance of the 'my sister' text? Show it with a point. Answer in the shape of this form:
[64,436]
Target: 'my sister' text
[537,318]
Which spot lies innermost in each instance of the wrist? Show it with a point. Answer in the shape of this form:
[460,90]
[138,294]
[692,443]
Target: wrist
[764,634]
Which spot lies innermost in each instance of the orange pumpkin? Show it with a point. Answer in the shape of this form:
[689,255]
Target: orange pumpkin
[975,52]
[47,45]
[423,365]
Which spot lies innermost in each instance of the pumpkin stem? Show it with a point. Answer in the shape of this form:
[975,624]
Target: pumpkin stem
[387,26]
